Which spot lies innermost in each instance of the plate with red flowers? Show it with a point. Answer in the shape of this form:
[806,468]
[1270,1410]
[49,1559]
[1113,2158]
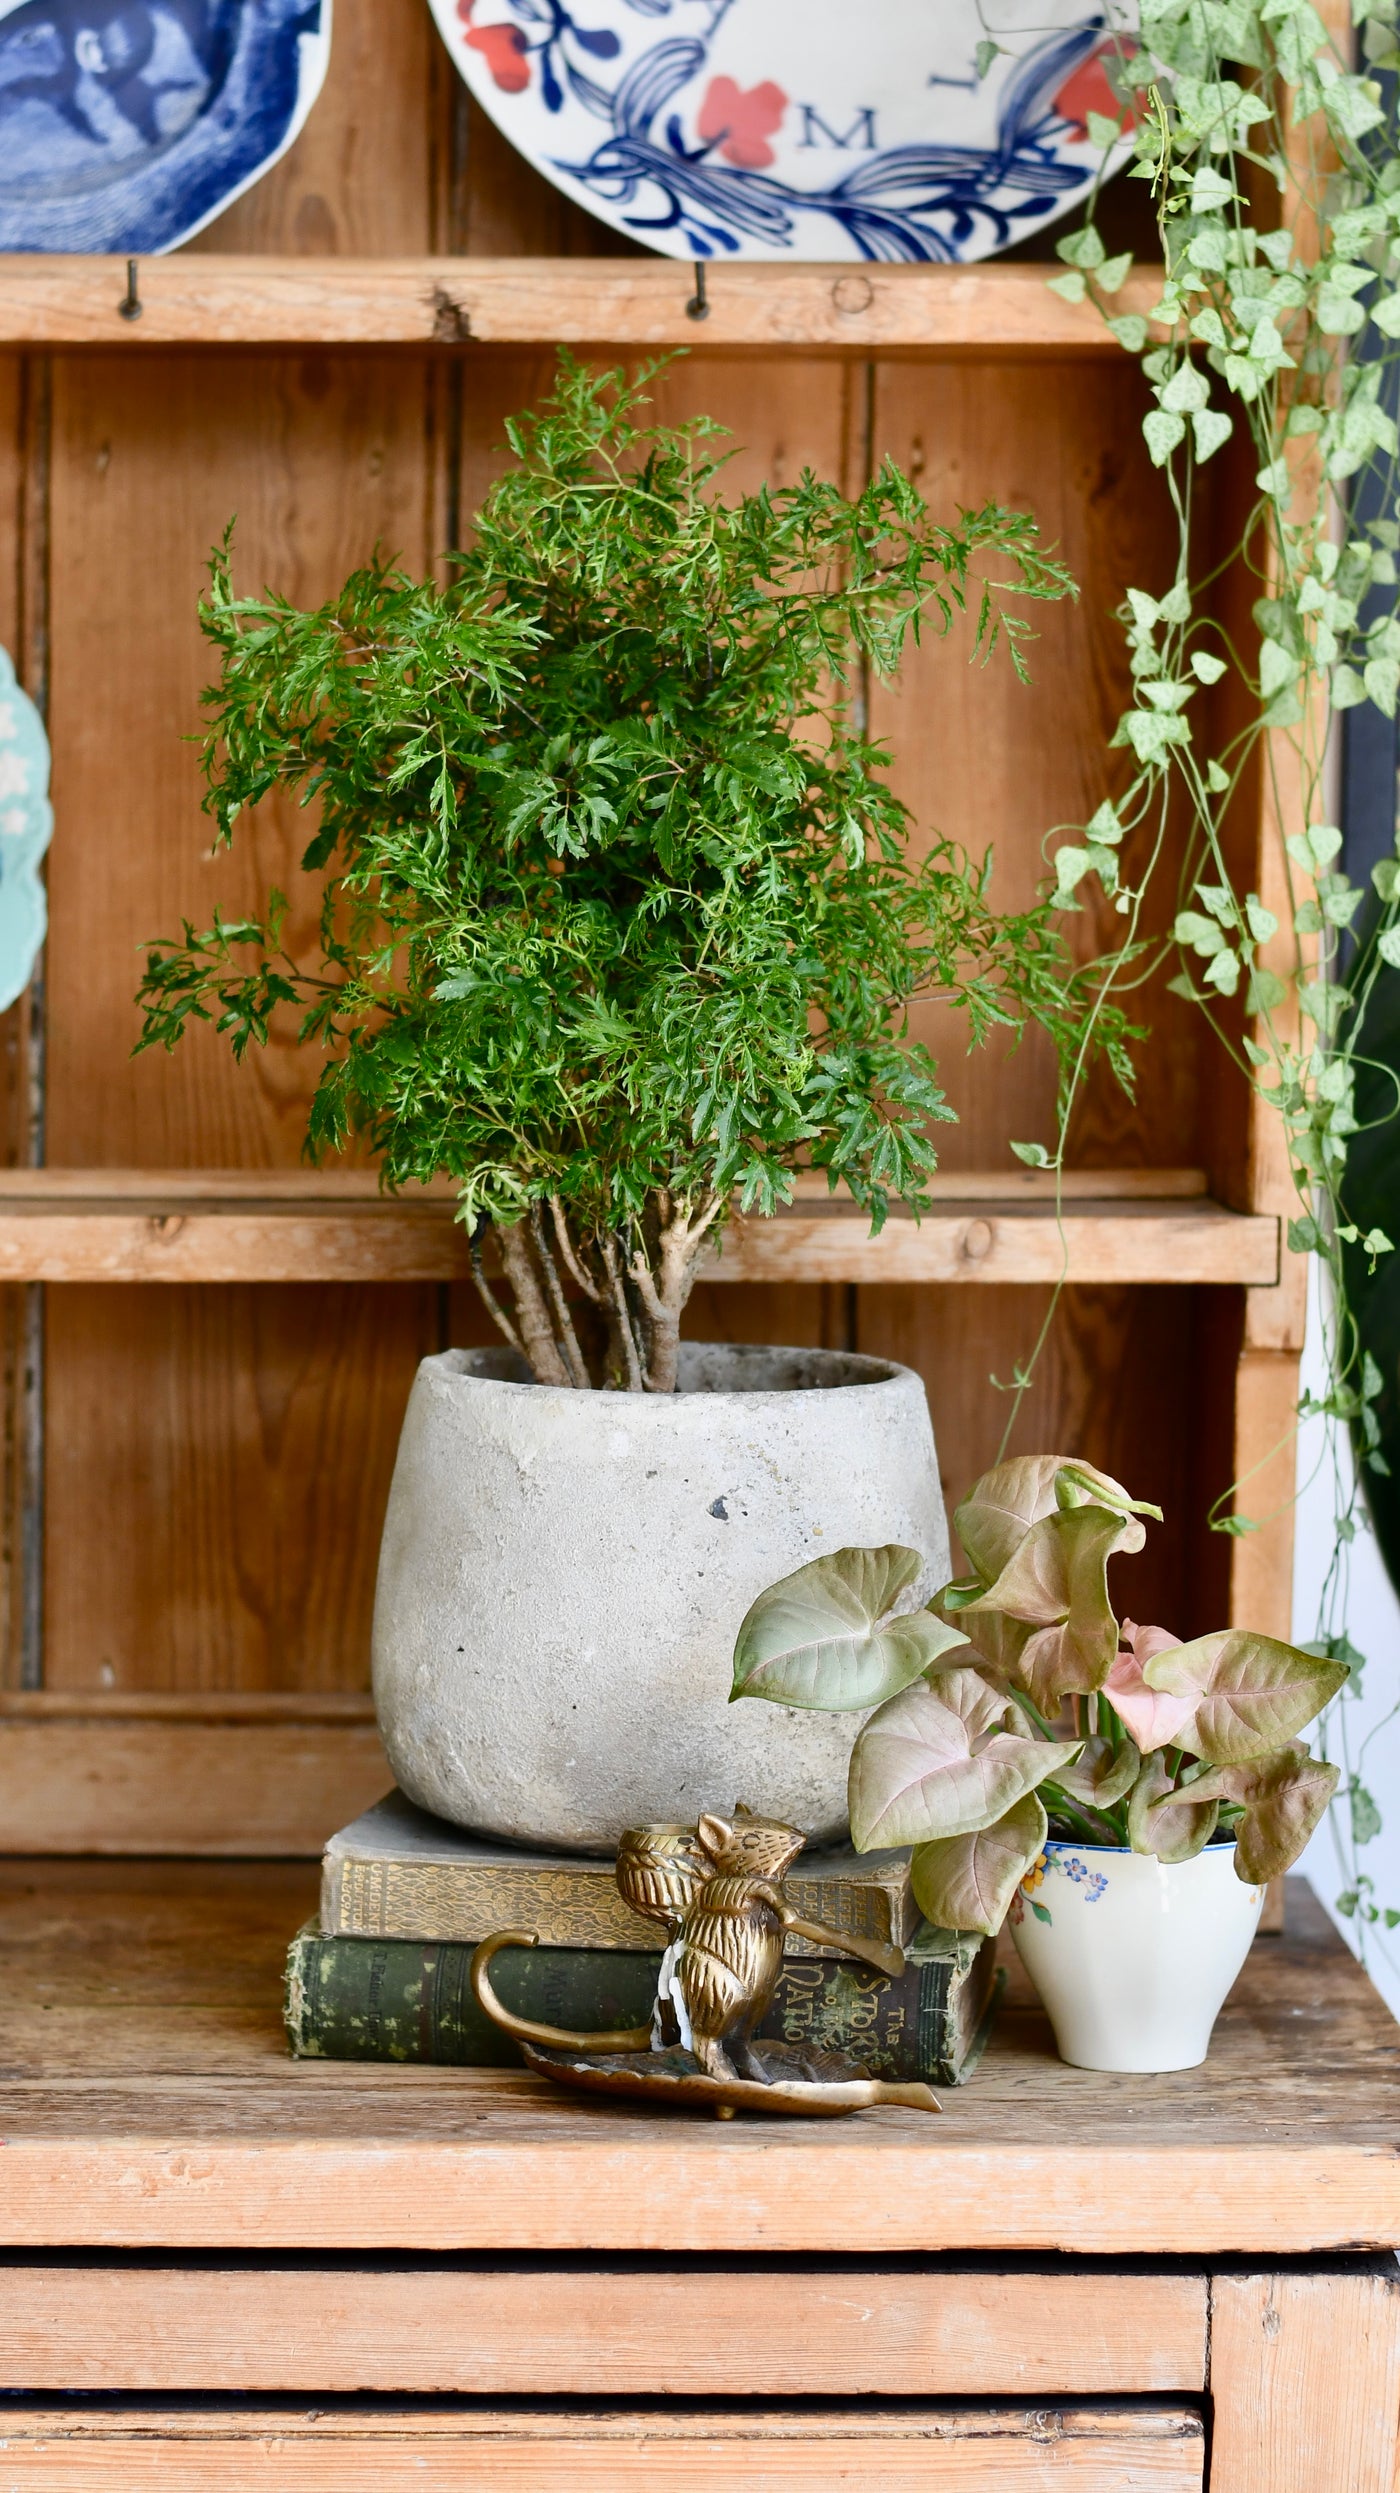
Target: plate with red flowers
[807,129]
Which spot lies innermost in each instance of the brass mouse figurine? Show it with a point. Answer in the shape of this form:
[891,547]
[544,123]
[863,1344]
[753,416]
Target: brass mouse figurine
[723,1968]
[718,1893]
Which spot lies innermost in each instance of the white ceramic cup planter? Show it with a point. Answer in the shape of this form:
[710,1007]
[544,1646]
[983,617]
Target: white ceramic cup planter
[563,1576]
[1133,1956]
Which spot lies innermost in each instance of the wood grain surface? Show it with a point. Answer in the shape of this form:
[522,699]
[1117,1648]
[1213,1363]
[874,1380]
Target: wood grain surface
[147,2100]
[379,1240]
[220,1776]
[195,299]
[1305,2381]
[236,1445]
[645,2331]
[910,2450]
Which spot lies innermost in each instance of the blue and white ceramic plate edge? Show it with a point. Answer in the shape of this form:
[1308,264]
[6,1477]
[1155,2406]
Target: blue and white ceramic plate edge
[314,59]
[1114,19]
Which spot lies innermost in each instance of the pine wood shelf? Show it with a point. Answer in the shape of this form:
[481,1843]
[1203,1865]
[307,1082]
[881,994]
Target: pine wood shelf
[210,299]
[886,2300]
[135,1225]
[147,2101]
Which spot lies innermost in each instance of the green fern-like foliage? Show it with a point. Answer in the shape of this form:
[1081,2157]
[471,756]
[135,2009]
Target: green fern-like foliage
[620,919]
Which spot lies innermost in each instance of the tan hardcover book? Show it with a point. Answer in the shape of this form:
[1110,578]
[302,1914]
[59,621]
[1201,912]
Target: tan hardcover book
[397,1873]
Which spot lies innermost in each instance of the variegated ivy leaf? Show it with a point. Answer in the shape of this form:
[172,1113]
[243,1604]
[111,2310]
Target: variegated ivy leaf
[966,1882]
[941,1760]
[823,1637]
[1162,431]
[1163,1820]
[1001,1507]
[1252,1693]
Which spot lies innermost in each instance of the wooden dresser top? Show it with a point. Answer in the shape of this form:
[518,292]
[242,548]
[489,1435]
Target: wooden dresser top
[146,2100]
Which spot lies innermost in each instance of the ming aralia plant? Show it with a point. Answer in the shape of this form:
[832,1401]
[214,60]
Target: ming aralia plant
[620,919]
[1017,1705]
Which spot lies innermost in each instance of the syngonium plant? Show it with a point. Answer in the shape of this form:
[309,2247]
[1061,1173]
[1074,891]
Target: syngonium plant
[620,916]
[1018,1705]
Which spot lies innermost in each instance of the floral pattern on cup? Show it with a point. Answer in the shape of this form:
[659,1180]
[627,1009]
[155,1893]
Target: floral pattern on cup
[1069,1865]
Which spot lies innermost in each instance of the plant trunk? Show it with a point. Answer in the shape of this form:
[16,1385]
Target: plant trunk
[622,1329]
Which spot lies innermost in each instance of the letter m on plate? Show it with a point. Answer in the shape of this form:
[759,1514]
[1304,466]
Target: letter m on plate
[816,132]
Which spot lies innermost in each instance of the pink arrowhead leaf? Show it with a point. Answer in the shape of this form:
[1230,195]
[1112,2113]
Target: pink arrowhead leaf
[1285,1799]
[1152,1716]
[1249,1694]
[1167,1819]
[966,1882]
[939,1760]
[1000,1509]
[1055,1582]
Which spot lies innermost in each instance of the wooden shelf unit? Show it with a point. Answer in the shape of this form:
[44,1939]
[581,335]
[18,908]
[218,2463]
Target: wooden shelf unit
[200,298]
[76,1225]
[320,2275]
[193,1475]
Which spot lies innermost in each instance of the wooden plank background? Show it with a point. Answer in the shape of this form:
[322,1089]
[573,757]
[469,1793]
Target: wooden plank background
[216,1459]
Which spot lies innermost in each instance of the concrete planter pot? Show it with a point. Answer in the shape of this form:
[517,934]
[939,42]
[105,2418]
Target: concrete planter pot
[563,1576]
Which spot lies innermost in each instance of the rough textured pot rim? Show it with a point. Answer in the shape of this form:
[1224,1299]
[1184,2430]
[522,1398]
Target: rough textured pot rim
[874,1375]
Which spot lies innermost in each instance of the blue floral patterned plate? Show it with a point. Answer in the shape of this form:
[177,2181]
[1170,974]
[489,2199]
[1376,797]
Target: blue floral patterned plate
[802,129]
[125,125]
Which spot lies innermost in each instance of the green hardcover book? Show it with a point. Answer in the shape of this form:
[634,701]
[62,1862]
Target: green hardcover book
[407,1999]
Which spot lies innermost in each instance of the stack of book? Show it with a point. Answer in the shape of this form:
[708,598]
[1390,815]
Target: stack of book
[382,1973]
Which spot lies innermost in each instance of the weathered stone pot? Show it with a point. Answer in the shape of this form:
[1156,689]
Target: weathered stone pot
[563,1575]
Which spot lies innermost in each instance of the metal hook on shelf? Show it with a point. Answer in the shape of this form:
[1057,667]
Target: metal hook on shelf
[698,308]
[130,306]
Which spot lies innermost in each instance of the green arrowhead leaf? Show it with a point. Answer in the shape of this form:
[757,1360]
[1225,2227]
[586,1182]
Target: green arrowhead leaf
[938,1760]
[823,1638]
[966,1882]
[1252,1692]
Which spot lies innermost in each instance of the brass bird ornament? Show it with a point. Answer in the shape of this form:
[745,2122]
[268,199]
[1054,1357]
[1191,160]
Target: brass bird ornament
[717,1891]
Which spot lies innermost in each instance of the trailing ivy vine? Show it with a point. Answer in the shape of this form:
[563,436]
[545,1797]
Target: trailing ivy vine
[1277,189]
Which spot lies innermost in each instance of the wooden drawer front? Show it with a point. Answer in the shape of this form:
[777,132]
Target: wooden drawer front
[1066,2450]
[613,2332]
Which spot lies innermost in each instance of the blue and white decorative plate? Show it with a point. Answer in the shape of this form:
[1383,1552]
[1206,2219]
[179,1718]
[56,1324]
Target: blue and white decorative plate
[802,129]
[125,125]
[26,821]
